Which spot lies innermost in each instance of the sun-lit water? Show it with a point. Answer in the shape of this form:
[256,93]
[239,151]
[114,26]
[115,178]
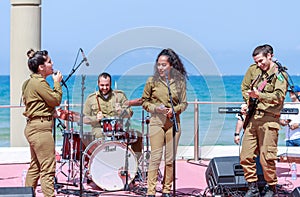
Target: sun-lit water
[214,128]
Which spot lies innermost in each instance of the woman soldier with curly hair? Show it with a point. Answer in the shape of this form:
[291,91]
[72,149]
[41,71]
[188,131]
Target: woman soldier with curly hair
[168,71]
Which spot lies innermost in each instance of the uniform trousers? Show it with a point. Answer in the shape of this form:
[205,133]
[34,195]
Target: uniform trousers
[260,138]
[42,165]
[158,139]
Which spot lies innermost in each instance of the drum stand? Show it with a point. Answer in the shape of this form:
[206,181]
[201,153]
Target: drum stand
[144,160]
[58,185]
[71,175]
[72,162]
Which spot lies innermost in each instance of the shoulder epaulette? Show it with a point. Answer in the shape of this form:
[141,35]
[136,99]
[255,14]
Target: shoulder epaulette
[118,91]
[92,94]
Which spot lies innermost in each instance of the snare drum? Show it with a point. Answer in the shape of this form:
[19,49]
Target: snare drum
[106,164]
[128,136]
[67,151]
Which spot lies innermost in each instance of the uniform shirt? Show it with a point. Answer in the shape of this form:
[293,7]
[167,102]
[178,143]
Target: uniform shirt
[107,106]
[156,93]
[272,96]
[39,98]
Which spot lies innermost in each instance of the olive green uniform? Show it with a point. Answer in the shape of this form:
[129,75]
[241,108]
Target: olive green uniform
[161,128]
[261,134]
[107,107]
[40,102]
[96,102]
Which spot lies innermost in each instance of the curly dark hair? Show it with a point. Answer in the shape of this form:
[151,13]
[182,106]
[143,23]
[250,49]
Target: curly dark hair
[36,58]
[178,71]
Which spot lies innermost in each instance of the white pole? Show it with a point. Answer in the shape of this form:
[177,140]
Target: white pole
[25,33]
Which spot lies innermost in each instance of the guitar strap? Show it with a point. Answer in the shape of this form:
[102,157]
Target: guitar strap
[268,79]
[255,101]
[264,83]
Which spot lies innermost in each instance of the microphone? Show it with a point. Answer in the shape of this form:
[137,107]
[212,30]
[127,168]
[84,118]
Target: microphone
[84,57]
[167,74]
[62,80]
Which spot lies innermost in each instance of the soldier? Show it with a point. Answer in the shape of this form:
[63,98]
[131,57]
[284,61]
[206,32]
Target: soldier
[263,88]
[156,100]
[40,101]
[108,103]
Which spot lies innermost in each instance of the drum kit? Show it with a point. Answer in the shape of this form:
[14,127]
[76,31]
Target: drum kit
[109,162]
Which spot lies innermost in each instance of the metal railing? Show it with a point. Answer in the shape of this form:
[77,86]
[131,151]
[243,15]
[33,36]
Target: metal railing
[196,109]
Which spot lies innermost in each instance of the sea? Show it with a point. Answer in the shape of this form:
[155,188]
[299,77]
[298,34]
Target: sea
[211,93]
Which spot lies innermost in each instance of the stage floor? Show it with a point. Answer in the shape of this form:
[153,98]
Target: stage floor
[190,180]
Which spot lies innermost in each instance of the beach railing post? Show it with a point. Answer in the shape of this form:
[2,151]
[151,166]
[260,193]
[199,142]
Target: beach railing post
[196,130]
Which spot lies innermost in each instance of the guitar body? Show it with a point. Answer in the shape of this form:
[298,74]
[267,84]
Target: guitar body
[251,108]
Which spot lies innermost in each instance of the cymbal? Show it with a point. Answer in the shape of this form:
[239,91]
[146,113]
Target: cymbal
[68,115]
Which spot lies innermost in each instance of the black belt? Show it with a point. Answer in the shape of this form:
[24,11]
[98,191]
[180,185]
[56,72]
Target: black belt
[42,118]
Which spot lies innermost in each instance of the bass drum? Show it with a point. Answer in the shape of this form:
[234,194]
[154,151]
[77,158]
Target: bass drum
[106,164]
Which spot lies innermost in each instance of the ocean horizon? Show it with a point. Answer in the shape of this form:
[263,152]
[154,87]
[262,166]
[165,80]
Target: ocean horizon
[212,91]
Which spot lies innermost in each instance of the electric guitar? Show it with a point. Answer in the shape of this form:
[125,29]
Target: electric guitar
[253,101]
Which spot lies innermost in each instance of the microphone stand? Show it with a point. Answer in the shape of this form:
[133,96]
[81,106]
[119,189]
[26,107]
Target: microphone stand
[64,83]
[81,135]
[126,186]
[69,143]
[74,68]
[147,139]
[81,119]
[81,191]
[70,126]
[175,129]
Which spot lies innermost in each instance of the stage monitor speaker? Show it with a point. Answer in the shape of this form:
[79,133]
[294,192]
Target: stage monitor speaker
[296,192]
[227,173]
[16,192]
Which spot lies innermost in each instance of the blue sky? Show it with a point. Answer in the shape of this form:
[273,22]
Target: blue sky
[228,31]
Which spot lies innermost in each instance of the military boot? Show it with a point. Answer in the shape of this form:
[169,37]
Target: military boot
[272,191]
[252,190]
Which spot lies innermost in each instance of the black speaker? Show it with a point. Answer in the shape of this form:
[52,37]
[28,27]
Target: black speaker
[296,192]
[226,173]
[16,192]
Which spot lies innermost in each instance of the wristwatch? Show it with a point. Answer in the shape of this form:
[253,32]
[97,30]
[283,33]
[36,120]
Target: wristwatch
[236,134]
